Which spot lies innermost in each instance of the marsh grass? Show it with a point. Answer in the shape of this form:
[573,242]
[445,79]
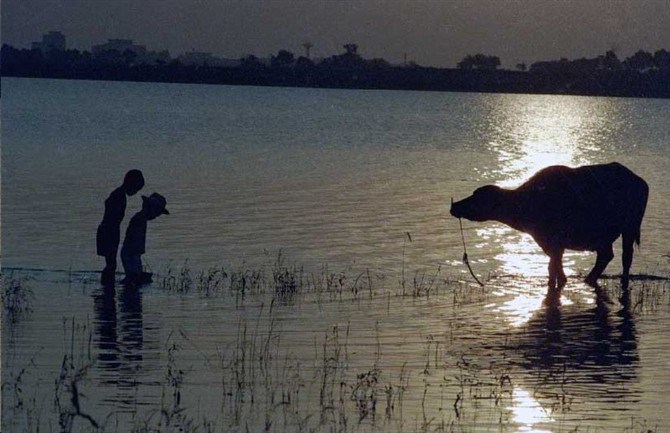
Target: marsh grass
[647,298]
[69,400]
[287,282]
[264,386]
[173,415]
[280,279]
[23,406]
[17,298]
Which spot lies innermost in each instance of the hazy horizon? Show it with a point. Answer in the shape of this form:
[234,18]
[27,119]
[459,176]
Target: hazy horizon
[429,33]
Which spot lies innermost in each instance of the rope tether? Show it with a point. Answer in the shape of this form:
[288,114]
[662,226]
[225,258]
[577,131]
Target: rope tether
[465,255]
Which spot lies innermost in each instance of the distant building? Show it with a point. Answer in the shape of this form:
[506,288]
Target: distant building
[157,58]
[120,46]
[197,58]
[118,50]
[50,41]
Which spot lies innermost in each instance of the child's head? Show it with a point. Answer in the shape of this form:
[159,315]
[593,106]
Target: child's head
[154,206]
[133,182]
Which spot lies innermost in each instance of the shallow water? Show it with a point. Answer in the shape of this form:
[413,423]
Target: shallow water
[337,179]
[446,356]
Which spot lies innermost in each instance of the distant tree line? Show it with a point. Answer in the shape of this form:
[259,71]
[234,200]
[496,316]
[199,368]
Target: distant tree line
[643,74]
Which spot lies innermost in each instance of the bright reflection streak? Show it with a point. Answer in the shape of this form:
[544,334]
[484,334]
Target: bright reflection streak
[548,133]
[535,157]
[532,136]
[527,412]
[521,255]
[519,310]
[540,136]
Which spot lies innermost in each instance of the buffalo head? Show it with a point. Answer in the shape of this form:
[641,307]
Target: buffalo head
[483,205]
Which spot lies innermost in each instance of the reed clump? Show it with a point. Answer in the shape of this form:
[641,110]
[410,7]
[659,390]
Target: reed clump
[284,280]
[280,279]
[17,298]
[68,397]
[18,401]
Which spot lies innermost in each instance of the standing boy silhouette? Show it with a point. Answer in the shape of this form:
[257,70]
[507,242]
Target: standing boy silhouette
[109,230]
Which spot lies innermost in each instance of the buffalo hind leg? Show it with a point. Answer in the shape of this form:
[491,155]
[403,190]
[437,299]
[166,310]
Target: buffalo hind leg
[557,278]
[605,255]
[626,258]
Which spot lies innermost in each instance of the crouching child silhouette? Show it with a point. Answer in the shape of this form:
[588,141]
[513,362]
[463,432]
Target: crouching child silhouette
[109,230]
[135,240]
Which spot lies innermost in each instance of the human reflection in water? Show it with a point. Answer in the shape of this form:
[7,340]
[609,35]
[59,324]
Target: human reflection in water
[131,337]
[105,327]
[586,347]
[120,339]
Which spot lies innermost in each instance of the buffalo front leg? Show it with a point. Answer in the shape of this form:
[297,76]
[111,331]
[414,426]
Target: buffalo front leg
[557,278]
[626,258]
[605,255]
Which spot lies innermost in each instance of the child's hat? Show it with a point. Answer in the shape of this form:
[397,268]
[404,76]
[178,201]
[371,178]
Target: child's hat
[158,201]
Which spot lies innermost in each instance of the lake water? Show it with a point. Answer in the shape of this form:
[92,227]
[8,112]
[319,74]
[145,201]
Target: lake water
[379,326]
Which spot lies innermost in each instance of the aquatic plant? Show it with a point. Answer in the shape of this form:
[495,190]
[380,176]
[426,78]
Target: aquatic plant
[17,298]
[286,280]
[365,392]
[172,413]
[280,279]
[210,282]
[24,408]
[73,371]
[179,280]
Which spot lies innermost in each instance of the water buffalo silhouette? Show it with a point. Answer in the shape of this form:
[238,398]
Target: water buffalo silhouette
[585,209]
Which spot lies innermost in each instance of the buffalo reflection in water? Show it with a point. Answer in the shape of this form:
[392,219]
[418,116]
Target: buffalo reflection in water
[588,351]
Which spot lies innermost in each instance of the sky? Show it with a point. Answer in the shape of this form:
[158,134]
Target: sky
[431,33]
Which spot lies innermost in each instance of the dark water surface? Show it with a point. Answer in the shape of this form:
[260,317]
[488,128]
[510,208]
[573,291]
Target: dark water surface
[392,335]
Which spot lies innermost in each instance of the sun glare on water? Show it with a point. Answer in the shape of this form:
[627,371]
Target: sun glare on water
[527,412]
[538,137]
[552,132]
